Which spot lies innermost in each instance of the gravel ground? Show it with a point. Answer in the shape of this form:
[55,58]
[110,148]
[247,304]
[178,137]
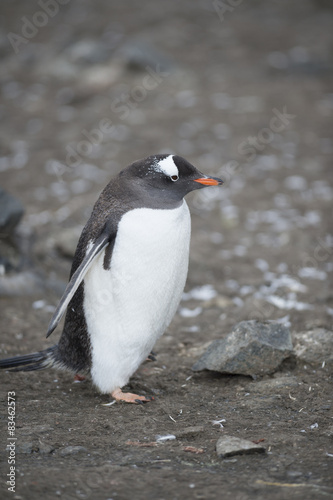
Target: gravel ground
[243,90]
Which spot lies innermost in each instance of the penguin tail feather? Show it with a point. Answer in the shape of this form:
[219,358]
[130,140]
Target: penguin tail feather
[30,362]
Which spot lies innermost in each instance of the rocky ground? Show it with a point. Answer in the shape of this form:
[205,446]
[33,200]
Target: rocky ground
[243,90]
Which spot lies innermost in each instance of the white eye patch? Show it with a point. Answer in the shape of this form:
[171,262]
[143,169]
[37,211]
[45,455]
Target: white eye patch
[167,166]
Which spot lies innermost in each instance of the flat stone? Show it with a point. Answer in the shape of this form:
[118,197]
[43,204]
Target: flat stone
[73,450]
[19,284]
[98,77]
[28,283]
[252,348]
[137,54]
[228,446]
[26,447]
[189,432]
[314,347]
[45,448]
[88,51]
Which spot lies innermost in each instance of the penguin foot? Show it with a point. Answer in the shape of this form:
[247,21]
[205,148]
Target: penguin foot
[151,356]
[79,378]
[129,397]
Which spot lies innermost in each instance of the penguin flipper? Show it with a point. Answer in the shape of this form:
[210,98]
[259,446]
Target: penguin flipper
[101,242]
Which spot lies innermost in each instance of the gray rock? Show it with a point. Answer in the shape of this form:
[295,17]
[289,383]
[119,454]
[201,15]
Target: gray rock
[45,448]
[138,54]
[11,211]
[11,243]
[28,283]
[88,51]
[97,78]
[19,284]
[73,450]
[10,255]
[314,347]
[228,446]
[26,448]
[189,432]
[252,348]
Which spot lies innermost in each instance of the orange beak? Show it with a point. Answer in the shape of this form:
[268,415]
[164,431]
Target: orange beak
[209,181]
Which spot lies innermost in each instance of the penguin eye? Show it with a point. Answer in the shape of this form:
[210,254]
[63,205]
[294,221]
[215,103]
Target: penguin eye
[174,178]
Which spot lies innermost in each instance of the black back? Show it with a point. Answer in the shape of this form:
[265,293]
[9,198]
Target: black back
[140,185]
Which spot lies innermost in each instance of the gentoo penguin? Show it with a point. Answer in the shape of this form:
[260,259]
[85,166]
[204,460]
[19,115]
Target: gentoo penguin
[127,277]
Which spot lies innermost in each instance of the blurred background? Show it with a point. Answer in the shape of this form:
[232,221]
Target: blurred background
[241,89]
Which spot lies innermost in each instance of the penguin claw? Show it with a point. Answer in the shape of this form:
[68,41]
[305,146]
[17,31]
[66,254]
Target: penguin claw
[151,356]
[128,397]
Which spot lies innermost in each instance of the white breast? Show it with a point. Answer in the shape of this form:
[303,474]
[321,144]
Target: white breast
[128,307]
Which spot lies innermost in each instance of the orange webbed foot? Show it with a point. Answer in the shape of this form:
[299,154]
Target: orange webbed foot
[128,397]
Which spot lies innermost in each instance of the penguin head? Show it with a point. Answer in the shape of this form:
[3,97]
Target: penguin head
[167,177]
